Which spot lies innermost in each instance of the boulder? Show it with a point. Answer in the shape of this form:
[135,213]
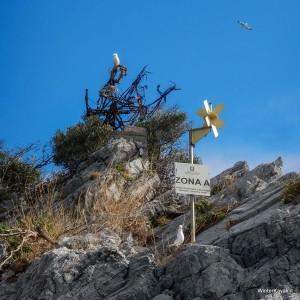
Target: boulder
[89,267]
[203,271]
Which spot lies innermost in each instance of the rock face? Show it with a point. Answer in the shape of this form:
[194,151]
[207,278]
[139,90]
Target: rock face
[252,253]
[89,267]
[118,154]
[240,266]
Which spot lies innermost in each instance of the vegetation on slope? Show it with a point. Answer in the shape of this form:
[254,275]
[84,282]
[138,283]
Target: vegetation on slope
[78,142]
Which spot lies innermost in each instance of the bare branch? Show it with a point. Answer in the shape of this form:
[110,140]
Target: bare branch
[25,234]
[129,107]
[43,235]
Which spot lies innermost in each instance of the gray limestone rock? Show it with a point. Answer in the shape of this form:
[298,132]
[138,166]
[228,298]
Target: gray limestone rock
[253,253]
[203,271]
[163,297]
[3,249]
[137,166]
[238,183]
[164,204]
[116,168]
[89,267]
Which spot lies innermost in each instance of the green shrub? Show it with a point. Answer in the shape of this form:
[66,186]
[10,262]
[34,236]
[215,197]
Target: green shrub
[12,240]
[159,220]
[121,167]
[214,216]
[211,218]
[5,194]
[203,206]
[216,189]
[16,173]
[74,146]
[164,129]
[291,191]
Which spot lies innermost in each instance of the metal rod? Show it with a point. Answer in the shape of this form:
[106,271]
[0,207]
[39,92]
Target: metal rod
[192,199]
[193,237]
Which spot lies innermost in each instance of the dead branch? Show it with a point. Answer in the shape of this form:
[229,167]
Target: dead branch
[127,108]
[24,233]
[43,235]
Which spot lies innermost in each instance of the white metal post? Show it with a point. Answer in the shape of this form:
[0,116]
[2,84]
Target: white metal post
[192,199]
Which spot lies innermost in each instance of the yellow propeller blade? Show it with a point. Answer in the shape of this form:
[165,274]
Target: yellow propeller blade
[217,122]
[201,113]
[217,109]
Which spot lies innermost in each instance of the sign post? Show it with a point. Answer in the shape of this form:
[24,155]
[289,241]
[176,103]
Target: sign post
[192,198]
[186,182]
[192,179]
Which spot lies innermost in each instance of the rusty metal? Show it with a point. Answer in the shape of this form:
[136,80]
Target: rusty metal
[127,108]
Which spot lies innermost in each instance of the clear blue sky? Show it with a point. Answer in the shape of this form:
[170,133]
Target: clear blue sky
[51,51]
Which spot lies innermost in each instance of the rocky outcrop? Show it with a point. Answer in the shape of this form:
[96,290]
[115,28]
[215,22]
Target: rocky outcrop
[203,271]
[116,171]
[243,265]
[252,253]
[87,267]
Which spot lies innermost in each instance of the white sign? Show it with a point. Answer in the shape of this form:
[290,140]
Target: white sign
[192,179]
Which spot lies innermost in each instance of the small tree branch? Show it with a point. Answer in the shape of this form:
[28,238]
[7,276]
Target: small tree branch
[43,235]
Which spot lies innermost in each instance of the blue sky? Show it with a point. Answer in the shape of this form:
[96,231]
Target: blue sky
[51,51]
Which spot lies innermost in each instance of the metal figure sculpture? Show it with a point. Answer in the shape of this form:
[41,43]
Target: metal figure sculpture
[127,108]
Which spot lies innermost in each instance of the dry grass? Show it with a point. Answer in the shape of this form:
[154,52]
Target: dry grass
[164,256]
[119,209]
[94,175]
[35,228]
[167,252]
[213,216]
[113,203]
[291,191]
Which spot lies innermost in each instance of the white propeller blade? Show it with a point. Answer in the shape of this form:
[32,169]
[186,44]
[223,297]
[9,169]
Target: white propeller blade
[215,131]
[206,106]
[207,120]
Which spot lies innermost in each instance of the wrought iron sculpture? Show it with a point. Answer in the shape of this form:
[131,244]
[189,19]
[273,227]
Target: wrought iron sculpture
[127,108]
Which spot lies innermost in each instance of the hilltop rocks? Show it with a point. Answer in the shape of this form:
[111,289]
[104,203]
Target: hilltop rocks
[249,254]
[118,167]
[238,182]
[121,151]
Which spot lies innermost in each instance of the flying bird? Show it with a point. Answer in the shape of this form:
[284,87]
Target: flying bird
[245,25]
[116,60]
[180,237]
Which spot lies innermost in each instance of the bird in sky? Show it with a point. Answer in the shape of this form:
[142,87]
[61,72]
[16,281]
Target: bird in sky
[245,25]
[116,60]
[180,237]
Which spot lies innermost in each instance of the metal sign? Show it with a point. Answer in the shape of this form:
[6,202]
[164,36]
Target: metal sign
[192,179]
